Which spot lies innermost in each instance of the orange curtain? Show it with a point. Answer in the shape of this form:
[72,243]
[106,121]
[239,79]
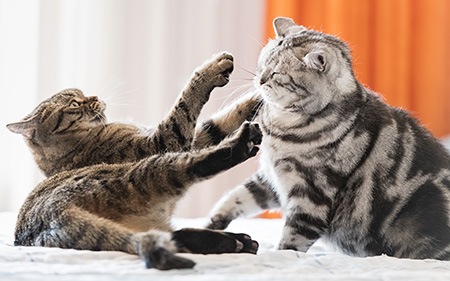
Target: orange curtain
[401,48]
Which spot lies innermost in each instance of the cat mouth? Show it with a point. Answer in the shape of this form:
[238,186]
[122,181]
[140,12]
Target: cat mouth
[99,118]
[98,112]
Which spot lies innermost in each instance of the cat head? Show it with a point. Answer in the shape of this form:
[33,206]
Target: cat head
[303,70]
[63,113]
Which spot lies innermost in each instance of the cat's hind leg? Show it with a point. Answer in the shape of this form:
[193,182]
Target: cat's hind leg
[157,249]
[76,228]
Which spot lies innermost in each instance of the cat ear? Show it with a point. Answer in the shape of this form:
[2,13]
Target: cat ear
[26,128]
[317,60]
[286,26]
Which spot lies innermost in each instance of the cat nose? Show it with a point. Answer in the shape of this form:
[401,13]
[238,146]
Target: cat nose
[95,103]
[266,76]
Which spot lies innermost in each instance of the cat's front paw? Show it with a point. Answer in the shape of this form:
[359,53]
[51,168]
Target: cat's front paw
[217,70]
[219,222]
[245,243]
[249,136]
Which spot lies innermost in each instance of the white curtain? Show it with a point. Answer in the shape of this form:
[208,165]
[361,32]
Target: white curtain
[135,54]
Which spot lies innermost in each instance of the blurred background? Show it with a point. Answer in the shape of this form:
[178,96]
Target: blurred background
[138,54]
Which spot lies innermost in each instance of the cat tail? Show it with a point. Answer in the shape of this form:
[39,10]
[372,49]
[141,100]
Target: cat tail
[251,197]
[225,122]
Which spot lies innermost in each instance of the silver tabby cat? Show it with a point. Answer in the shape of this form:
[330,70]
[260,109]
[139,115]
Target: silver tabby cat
[342,164]
[114,186]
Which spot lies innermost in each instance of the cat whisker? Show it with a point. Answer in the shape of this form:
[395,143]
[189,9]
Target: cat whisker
[243,79]
[248,71]
[100,116]
[253,38]
[117,98]
[258,108]
[234,92]
[102,89]
[113,89]
[304,110]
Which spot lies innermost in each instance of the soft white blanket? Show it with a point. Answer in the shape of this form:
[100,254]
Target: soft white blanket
[36,263]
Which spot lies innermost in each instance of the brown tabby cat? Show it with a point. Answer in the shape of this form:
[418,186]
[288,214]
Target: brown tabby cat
[114,186]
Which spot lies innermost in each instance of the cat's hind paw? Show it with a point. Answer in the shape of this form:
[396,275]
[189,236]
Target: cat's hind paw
[248,245]
[163,259]
[204,241]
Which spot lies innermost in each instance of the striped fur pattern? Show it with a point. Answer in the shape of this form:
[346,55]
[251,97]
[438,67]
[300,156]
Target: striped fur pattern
[341,164]
[114,186]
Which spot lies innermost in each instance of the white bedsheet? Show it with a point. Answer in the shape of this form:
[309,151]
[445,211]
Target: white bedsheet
[37,263]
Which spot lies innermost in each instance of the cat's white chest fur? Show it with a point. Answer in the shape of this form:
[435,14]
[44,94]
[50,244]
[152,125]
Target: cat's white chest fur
[281,173]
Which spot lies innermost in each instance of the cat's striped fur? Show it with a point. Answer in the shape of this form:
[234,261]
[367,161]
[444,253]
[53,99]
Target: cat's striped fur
[342,164]
[114,186]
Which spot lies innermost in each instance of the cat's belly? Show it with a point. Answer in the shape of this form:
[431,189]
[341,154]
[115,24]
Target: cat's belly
[143,223]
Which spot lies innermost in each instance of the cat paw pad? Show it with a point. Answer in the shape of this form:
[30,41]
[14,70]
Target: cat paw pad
[217,70]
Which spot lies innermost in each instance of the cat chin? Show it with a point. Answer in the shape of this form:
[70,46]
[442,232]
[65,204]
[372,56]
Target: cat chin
[279,99]
[98,119]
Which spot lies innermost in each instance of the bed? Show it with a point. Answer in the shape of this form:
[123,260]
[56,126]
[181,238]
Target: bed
[320,263]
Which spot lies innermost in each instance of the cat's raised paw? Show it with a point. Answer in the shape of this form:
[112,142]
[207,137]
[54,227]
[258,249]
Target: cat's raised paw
[217,70]
[250,136]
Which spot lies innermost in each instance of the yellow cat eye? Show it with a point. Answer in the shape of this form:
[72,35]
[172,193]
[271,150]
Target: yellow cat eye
[74,104]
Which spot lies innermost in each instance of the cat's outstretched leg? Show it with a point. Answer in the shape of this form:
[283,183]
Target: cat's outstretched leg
[227,121]
[178,171]
[249,198]
[230,152]
[176,131]
[76,228]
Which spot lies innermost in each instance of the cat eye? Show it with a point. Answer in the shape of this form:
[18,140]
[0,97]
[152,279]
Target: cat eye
[74,104]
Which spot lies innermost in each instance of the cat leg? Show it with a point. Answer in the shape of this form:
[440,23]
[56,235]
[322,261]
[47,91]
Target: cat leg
[157,249]
[249,198]
[305,224]
[203,241]
[230,152]
[169,175]
[176,131]
[76,228]
[227,121]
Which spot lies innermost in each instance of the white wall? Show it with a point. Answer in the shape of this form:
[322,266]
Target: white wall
[136,55]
